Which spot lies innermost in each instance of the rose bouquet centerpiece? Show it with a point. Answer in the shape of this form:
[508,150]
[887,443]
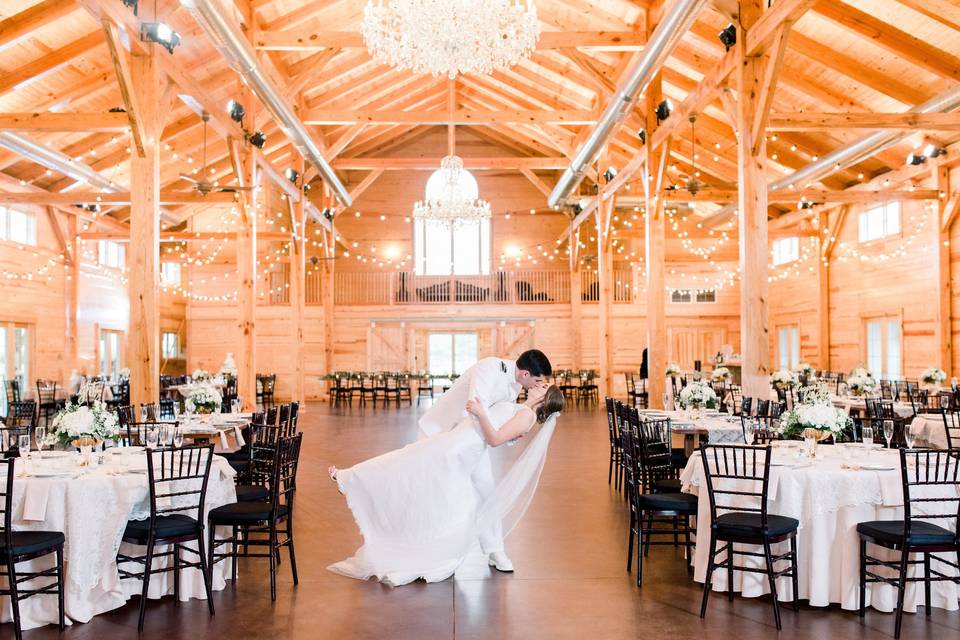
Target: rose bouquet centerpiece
[932,378]
[720,374]
[673,370]
[83,426]
[784,379]
[697,396]
[203,399]
[860,382]
[815,417]
[201,375]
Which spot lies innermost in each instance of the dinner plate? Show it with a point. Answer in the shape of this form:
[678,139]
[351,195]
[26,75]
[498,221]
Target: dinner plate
[877,467]
[51,474]
[55,454]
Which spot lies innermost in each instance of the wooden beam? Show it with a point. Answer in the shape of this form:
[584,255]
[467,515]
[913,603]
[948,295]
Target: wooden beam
[823,291]
[280,180]
[817,196]
[433,163]
[23,23]
[443,117]
[833,234]
[307,40]
[46,121]
[944,313]
[92,197]
[311,71]
[830,121]
[773,61]
[39,67]
[541,186]
[949,213]
[121,66]
[58,234]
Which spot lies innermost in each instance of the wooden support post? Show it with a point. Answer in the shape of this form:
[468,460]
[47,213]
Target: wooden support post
[246,354]
[605,280]
[143,254]
[327,293]
[576,312]
[823,288]
[943,328]
[297,298]
[751,155]
[73,295]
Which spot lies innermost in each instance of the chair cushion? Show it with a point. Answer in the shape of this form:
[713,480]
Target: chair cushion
[667,485]
[241,513]
[26,542]
[678,458]
[921,533]
[172,526]
[252,493]
[681,502]
[749,524]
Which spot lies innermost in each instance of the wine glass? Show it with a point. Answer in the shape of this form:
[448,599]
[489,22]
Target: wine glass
[888,431]
[39,434]
[178,437]
[867,437]
[234,406]
[911,436]
[143,413]
[23,445]
[666,400]
[748,432]
[176,409]
[152,436]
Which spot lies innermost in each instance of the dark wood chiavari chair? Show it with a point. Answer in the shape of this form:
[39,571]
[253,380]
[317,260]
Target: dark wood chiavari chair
[931,491]
[22,415]
[22,546]
[746,405]
[737,484]
[178,481]
[613,428]
[404,385]
[951,425]
[424,388]
[266,385]
[368,389]
[391,389]
[764,428]
[588,390]
[879,410]
[12,389]
[136,432]
[47,403]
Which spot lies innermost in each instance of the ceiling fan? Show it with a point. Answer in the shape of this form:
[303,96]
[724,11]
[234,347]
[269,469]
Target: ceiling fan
[204,186]
[690,182]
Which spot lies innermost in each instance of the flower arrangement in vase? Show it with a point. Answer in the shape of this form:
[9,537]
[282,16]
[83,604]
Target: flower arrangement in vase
[860,382]
[83,426]
[932,378]
[201,375]
[697,396]
[203,400]
[673,370]
[814,418]
[784,379]
[720,374]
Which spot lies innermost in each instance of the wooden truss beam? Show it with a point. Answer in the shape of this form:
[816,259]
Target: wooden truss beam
[46,121]
[431,164]
[807,121]
[93,197]
[458,117]
[313,40]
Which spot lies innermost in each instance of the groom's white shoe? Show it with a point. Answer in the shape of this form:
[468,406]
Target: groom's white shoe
[499,561]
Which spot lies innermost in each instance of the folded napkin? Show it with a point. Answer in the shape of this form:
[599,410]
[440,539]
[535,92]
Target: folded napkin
[35,500]
[238,434]
[223,440]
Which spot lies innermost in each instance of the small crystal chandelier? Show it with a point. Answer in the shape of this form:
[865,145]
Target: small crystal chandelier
[452,196]
[447,37]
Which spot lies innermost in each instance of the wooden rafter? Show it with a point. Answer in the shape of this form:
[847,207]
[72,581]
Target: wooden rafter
[831,121]
[63,121]
[459,117]
[276,40]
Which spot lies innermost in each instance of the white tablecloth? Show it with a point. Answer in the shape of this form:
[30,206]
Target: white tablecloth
[185,389]
[92,508]
[847,403]
[829,501]
[929,430]
[719,428]
[225,430]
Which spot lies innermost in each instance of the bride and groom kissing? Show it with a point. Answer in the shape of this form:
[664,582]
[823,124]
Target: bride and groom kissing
[423,508]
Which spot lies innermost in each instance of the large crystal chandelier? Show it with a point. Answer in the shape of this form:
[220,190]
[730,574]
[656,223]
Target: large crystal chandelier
[450,36]
[452,196]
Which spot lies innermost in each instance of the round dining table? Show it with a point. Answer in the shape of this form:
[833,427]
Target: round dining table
[90,505]
[844,485]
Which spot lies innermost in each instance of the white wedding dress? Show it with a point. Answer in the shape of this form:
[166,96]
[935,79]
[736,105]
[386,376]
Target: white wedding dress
[418,510]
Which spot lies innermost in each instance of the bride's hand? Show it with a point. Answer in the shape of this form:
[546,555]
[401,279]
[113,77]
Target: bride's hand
[475,407]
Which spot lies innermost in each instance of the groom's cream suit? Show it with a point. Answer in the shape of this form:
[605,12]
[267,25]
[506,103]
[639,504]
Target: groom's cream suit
[492,380]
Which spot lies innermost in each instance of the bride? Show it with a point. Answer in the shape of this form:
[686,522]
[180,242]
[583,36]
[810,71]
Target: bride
[417,508]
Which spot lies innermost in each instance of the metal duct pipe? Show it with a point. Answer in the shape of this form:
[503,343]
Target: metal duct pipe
[865,147]
[674,24]
[237,51]
[60,162]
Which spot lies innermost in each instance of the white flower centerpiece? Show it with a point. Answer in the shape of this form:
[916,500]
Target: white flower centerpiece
[697,396]
[815,418]
[673,370]
[203,399]
[720,374]
[932,378]
[83,426]
[201,375]
[806,372]
[229,366]
[124,373]
[784,379]
[860,382]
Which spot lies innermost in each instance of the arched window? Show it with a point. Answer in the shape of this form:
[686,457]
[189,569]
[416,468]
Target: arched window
[442,250]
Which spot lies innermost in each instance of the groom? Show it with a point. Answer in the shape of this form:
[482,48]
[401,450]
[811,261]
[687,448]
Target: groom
[492,380]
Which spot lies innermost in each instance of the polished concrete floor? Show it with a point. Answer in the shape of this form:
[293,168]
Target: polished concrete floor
[569,553]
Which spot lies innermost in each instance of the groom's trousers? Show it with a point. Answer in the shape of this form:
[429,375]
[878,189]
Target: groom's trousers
[491,540]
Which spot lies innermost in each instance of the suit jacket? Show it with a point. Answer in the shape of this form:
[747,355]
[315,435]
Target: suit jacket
[490,379]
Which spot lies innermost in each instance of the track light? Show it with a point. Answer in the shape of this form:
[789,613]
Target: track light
[292,175]
[258,139]
[327,213]
[728,36]
[804,204]
[610,174]
[577,209]
[642,134]
[933,151]
[314,260]
[916,159]
[236,111]
[132,4]
[663,110]
[160,33]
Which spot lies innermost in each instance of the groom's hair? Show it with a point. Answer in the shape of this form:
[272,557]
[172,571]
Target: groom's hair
[536,362]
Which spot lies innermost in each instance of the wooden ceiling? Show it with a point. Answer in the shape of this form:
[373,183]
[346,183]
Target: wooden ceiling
[864,56]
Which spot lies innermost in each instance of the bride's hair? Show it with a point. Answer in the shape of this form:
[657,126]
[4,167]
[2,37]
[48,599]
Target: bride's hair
[552,403]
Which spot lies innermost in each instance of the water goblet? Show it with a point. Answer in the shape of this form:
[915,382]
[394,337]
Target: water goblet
[666,401]
[143,413]
[888,431]
[39,433]
[176,409]
[867,437]
[152,436]
[23,445]
[910,435]
[178,437]
[748,432]
[234,406]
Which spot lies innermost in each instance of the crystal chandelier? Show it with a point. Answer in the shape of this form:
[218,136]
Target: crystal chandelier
[452,196]
[450,36]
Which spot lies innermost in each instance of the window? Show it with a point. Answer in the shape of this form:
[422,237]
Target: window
[788,347]
[14,358]
[451,352]
[112,254]
[884,347]
[170,272]
[170,343]
[880,222]
[18,226]
[683,296]
[786,250]
[441,250]
[111,343]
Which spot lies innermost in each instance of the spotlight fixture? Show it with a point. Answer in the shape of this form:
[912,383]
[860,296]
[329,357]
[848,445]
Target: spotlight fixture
[132,4]
[933,151]
[663,110]
[804,204]
[236,111]
[642,134]
[292,175]
[258,139]
[577,209]
[610,174]
[327,213]
[916,159]
[728,37]
[161,34]
[314,260]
